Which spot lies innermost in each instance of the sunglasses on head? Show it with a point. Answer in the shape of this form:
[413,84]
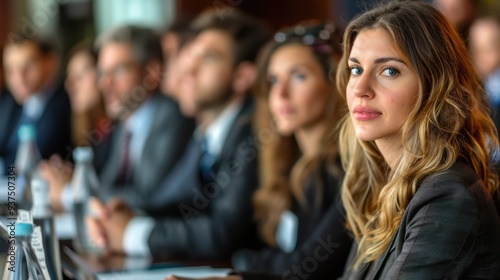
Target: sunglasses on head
[317,36]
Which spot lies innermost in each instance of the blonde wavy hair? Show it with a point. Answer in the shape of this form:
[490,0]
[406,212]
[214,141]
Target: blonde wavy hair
[282,167]
[450,121]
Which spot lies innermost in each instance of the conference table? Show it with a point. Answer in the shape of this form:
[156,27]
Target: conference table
[107,267]
[77,265]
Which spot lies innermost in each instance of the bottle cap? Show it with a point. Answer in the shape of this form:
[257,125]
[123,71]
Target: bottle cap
[26,132]
[81,154]
[40,190]
[24,229]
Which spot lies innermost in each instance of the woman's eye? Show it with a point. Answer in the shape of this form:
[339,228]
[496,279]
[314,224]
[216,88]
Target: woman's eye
[356,71]
[391,72]
[299,76]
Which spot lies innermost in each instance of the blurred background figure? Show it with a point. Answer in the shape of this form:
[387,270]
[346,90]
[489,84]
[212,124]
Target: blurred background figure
[460,13]
[130,64]
[173,39]
[31,68]
[90,125]
[485,49]
[7,108]
[210,188]
[87,103]
[2,80]
[148,133]
[298,203]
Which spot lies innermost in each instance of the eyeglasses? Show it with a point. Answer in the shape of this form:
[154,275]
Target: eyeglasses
[318,36]
[119,71]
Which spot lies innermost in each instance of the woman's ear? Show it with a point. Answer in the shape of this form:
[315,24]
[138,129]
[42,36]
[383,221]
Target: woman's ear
[244,77]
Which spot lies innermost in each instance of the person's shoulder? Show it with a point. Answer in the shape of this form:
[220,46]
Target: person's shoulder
[58,102]
[168,109]
[459,177]
[164,101]
[459,183]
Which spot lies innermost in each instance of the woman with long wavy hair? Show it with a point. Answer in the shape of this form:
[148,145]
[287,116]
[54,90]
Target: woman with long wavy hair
[416,148]
[298,111]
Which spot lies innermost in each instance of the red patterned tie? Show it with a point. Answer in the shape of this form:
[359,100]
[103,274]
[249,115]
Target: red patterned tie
[124,171]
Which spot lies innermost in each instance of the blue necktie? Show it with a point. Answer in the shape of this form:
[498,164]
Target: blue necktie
[207,161]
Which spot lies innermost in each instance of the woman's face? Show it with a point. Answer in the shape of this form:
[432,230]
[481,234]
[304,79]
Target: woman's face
[299,90]
[81,83]
[382,88]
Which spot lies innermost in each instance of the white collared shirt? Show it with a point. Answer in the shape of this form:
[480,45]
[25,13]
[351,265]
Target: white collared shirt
[139,123]
[216,133]
[34,105]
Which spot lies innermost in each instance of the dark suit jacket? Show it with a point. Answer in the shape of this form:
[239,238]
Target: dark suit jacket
[450,230]
[10,112]
[53,128]
[210,219]
[322,239]
[164,146]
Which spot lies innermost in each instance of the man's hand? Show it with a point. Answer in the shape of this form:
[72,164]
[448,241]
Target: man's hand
[58,173]
[107,228]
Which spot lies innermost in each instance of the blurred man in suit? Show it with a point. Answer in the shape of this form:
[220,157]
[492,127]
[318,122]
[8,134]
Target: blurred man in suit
[206,200]
[149,133]
[31,68]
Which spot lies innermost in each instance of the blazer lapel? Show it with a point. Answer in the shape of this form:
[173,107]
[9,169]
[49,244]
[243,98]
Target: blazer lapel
[233,138]
[112,166]
[180,181]
[381,262]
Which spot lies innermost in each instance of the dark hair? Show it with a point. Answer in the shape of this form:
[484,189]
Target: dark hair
[182,28]
[144,41]
[85,46]
[248,33]
[45,45]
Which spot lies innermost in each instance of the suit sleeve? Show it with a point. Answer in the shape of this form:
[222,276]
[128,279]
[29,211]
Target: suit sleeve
[218,217]
[327,249]
[440,230]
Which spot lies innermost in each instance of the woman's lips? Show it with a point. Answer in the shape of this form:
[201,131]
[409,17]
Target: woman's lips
[285,111]
[365,113]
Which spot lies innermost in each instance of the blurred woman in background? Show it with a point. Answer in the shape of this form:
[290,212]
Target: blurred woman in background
[89,115]
[90,125]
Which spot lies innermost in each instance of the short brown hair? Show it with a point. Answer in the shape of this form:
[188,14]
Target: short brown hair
[45,45]
[249,34]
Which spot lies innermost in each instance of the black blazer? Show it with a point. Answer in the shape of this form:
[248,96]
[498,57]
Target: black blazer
[53,128]
[164,145]
[210,220]
[323,243]
[450,230]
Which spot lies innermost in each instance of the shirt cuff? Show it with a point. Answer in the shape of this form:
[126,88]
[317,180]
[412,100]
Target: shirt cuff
[135,240]
[67,197]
